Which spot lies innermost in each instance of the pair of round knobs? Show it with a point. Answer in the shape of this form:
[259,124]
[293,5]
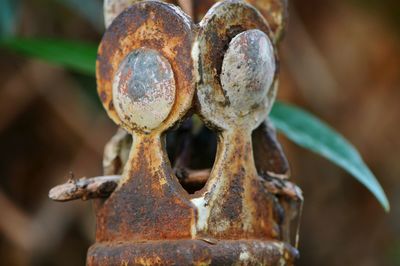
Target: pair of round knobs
[144,86]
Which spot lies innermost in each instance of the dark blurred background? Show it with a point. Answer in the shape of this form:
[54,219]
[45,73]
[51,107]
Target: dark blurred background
[340,59]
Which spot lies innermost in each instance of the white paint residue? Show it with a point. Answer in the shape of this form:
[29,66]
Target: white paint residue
[202,211]
[195,57]
[244,256]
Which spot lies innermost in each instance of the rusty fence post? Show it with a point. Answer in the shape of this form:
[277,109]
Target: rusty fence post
[155,67]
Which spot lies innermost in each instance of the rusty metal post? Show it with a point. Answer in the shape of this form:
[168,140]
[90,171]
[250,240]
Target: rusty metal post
[154,66]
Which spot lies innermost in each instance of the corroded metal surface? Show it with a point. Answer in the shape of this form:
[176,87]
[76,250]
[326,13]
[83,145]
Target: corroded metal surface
[233,205]
[155,67]
[137,209]
[149,203]
[193,252]
[274,11]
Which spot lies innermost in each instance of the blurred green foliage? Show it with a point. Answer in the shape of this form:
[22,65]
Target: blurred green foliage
[8,17]
[78,56]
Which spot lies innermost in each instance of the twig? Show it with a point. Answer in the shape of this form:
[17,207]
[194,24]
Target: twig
[192,177]
[103,186]
[85,188]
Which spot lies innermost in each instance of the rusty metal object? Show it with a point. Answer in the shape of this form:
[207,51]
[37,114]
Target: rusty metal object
[193,252]
[156,26]
[233,204]
[154,67]
[144,89]
[274,11]
[148,186]
[218,28]
[248,70]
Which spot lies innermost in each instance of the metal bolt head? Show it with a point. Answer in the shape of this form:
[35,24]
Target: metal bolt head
[228,97]
[248,71]
[143,90]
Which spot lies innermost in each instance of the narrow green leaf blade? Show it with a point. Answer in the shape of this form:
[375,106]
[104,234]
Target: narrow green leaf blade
[311,133]
[77,56]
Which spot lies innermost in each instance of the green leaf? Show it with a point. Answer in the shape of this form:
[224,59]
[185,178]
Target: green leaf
[311,133]
[77,56]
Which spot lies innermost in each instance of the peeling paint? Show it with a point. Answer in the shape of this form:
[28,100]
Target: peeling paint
[202,213]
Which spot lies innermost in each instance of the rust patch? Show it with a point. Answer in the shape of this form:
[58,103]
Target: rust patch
[193,252]
[149,204]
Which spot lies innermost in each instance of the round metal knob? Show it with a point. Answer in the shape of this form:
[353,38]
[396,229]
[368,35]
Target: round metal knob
[144,90]
[248,71]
